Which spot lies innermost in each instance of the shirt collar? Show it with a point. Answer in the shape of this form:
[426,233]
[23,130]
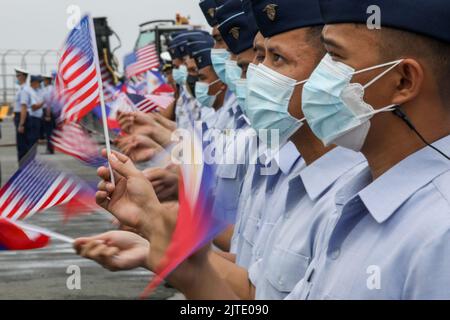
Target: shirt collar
[390,191]
[287,157]
[321,174]
[231,100]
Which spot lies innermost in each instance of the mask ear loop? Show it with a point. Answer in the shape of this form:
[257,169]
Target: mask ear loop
[301,82]
[213,83]
[392,64]
[385,109]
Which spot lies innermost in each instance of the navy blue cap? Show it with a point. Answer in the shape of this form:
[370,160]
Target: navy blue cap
[179,41]
[201,53]
[197,43]
[278,16]
[36,78]
[237,27]
[209,10]
[427,17]
[173,43]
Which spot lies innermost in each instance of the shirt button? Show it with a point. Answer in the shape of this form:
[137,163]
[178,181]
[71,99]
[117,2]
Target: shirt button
[335,254]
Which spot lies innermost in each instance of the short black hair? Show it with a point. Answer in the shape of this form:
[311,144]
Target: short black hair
[395,43]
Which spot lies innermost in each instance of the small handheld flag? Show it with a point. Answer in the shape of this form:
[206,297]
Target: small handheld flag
[79,85]
[36,187]
[19,236]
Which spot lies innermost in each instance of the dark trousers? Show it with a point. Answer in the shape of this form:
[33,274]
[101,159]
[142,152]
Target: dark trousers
[22,139]
[35,132]
[49,126]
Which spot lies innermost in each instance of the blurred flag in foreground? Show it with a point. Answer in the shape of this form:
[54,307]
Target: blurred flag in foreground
[78,77]
[19,236]
[36,187]
[13,237]
[73,140]
[197,223]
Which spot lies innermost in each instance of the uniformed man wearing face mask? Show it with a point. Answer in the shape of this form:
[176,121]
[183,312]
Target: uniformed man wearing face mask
[385,92]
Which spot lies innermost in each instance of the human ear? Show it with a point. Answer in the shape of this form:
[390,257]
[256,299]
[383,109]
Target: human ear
[410,81]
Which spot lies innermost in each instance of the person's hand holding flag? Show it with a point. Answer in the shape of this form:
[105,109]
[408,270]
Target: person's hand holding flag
[138,147]
[115,250]
[132,200]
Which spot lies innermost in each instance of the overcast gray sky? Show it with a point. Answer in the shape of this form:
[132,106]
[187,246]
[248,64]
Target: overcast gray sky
[41,24]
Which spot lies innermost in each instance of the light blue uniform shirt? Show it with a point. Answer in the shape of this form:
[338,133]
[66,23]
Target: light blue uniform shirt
[290,163]
[208,116]
[252,189]
[48,96]
[391,240]
[225,118]
[24,96]
[186,109]
[306,203]
[38,97]
[232,169]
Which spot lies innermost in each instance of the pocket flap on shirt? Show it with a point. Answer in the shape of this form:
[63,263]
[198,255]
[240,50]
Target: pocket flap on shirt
[285,269]
[250,229]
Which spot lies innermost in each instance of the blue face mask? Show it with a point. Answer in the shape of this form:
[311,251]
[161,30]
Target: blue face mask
[232,73]
[218,59]
[202,96]
[241,94]
[180,75]
[251,70]
[334,108]
[268,96]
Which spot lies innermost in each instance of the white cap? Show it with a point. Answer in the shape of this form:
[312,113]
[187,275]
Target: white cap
[166,56]
[47,76]
[21,70]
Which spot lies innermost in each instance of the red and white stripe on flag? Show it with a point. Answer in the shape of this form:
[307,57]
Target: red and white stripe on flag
[147,59]
[36,187]
[77,83]
[146,106]
[72,139]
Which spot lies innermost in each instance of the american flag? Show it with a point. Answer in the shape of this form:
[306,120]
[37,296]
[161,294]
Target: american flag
[77,81]
[72,139]
[144,59]
[142,103]
[36,187]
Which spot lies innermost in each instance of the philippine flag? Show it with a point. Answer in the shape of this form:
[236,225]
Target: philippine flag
[13,237]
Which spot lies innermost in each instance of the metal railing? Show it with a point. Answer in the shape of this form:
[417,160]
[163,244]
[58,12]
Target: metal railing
[35,61]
